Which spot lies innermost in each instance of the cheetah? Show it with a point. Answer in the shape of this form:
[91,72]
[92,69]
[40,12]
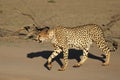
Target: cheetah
[80,37]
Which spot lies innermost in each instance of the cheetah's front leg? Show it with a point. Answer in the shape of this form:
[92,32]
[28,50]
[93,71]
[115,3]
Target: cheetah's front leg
[53,55]
[83,59]
[65,60]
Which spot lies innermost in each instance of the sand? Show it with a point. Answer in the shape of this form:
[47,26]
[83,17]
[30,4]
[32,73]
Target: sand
[22,59]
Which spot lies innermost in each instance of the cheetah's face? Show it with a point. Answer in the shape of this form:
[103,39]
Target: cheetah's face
[42,36]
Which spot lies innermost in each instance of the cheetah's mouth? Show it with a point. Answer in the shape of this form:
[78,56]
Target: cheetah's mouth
[37,40]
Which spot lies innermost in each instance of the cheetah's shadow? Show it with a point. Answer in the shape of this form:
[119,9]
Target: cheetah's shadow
[73,54]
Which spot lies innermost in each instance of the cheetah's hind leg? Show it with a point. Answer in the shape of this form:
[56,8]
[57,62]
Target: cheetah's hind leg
[106,63]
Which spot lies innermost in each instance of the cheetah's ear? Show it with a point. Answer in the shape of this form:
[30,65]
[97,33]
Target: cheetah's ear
[46,29]
[43,29]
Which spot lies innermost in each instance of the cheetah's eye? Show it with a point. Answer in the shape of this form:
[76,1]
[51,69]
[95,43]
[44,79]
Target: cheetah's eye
[39,36]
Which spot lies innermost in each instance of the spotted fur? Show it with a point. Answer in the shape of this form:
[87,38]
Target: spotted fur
[80,37]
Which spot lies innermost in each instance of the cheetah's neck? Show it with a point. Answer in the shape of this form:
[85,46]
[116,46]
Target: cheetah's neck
[51,36]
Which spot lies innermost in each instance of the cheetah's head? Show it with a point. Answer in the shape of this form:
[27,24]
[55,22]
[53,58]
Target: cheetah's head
[43,35]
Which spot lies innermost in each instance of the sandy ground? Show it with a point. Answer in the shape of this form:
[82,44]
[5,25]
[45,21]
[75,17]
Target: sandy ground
[26,59]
